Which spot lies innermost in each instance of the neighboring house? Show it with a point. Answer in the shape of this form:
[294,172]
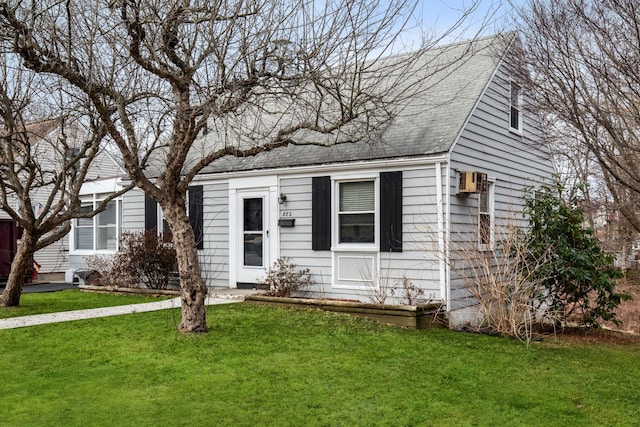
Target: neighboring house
[616,234]
[102,178]
[363,215]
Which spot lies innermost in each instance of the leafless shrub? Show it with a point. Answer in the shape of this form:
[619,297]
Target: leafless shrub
[284,278]
[502,280]
[403,290]
[381,290]
[110,272]
[407,291]
[144,260]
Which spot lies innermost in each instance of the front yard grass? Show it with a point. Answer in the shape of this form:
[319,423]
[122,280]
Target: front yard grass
[71,299]
[264,366]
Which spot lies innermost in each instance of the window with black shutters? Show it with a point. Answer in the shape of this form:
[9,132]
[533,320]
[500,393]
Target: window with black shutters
[153,217]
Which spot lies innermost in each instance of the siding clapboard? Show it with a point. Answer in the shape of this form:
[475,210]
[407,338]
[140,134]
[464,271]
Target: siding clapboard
[514,161]
[419,261]
[214,257]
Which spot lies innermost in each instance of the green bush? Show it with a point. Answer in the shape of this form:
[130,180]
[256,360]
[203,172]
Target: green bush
[578,280]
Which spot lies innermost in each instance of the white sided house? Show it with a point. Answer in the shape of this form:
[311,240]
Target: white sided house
[103,177]
[362,216]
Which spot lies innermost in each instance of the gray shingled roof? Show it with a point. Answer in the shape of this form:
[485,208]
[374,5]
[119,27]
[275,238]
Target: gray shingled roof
[427,123]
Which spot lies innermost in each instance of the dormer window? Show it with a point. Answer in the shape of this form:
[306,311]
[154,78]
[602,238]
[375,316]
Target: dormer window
[515,110]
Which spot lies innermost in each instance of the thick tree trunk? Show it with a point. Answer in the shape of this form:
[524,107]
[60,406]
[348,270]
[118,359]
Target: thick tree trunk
[193,290]
[20,266]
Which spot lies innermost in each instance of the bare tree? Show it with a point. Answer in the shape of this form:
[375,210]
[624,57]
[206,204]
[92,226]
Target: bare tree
[258,74]
[584,55]
[34,167]
[575,166]
[581,176]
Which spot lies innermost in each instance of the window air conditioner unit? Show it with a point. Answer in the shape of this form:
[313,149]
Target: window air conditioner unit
[472,182]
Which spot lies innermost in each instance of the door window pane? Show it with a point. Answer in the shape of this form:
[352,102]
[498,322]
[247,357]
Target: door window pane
[253,214]
[253,250]
[253,232]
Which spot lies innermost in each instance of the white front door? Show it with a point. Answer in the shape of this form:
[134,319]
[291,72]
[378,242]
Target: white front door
[253,236]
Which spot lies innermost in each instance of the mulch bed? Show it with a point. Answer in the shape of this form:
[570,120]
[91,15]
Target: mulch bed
[598,336]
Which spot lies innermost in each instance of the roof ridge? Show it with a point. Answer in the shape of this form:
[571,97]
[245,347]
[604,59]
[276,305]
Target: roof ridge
[508,35]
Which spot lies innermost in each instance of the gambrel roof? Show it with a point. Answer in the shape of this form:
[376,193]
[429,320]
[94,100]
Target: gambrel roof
[427,123]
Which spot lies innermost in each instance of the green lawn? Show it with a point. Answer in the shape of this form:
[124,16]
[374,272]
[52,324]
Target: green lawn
[274,367]
[71,299]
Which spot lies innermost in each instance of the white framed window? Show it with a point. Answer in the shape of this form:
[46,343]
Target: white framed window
[355,231]
[107,228]
[515,108]
[83,230]
[101,233]
[486,220]
[356,212]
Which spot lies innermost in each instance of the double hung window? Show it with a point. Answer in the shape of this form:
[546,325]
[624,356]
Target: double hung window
[356,212]
[515,112]
[486,217]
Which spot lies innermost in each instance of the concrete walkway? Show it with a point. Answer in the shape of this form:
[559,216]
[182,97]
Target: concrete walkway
[216,297]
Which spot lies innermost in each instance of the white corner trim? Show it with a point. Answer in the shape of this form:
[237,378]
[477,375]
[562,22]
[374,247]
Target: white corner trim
[233,240]
[442,244]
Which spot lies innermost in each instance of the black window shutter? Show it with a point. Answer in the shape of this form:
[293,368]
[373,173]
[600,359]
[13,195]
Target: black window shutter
[150,213]
[321,213]
[391,211]
[195,214]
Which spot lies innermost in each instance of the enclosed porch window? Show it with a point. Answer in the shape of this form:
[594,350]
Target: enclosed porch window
[101,232]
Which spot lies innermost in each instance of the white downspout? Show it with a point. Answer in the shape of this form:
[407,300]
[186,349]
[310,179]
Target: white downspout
[447,238]
[442,250]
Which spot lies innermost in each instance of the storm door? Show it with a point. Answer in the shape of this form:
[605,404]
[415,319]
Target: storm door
[254,235]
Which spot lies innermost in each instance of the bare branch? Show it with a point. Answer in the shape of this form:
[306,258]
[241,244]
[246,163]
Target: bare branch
[584,57]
